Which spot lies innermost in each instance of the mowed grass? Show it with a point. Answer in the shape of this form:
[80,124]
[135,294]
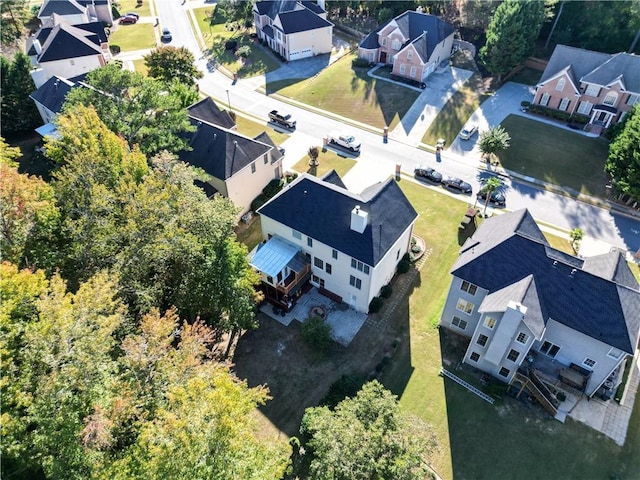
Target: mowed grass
[555,155]
[250,234]
[477,440]
[251,128]
[133,37]
[328,160]
[143,10]
[348,91]
[141,67]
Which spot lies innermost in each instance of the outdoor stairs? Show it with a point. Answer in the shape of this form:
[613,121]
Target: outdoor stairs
[540,392]
[466,385]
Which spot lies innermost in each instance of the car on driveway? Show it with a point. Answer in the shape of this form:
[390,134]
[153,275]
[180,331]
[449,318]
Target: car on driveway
[132,14]
[468,132]
[166,35]
[456,184]
[127,20]
[497,198]
[428,173]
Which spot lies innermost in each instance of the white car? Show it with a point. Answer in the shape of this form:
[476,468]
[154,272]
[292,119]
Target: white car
[467,133]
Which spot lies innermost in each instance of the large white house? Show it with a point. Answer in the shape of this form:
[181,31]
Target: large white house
[77,11]
[536,316]
[346,244]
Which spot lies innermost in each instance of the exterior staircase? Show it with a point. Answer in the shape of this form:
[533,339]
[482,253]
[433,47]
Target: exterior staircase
[540,392]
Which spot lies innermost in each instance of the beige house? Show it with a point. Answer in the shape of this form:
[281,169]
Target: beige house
[414,43]
[600,86]
[294,29]
[236,166]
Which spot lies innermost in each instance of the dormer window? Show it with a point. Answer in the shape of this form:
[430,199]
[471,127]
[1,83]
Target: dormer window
[560,84]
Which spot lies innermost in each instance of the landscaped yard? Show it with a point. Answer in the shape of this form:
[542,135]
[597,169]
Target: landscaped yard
[475,440]
[140,66]
[133,37]
[125,6]
[328,160]
[555,155]
[350,92]
[252,129]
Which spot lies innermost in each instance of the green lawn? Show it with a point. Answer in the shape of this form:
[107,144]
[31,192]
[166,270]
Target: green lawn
[143,10]
[328,160]
[251,234]
[251,129]
[133,37]
[477,440]
[140,66]
[555,155]
[348,91]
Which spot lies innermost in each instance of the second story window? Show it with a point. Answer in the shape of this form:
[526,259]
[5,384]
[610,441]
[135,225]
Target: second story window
[395,45]
[468,287]
[592,91]
[384,41]
[560,84]
[610,99]
[409,55]
[253,167]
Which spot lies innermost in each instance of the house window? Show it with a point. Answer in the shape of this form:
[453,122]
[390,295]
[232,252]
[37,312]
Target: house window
[409,55]
[468,287]
[269,279]
[309,242]
[513,355]
[395,45]
[550,349]
[355,282]
[403,68]
[397,254]
[361,267]
[560,84]
[585,108]
[490,322]
[266,160]
[464,306]
[334,253]
[588,362]
[564,104]
[412,72]
[308,255]
[279,277]
[544,100]
[384,41]
[592,91]
[318,262]
[372,57]
[504,372]
[522,337]
[633,99]
[615,353]
[474,356]
[610,99]
[253,167]
[458,322]
[296,234]
[482,340]
[328,268]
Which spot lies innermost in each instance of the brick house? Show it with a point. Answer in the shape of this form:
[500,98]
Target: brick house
[414,43]
[600,86]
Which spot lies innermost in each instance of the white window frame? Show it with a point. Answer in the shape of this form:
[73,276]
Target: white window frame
[544,100]
[474,359]
[486,337]
[465,306]
[610,99]
[517,355]
[410,55]
[468,287]
[459,323]
[505,375]
[355,282]
[296,234]
[564,104]
[490,323]
[589,363]
[615,353]
[633,99]
[403,68]
[592,91]
[318,262]
[524,337]
[585,107]
[384,41]
[309,242]
[412,72]
[396,44]
[549,348]
[334,253]
[560,85]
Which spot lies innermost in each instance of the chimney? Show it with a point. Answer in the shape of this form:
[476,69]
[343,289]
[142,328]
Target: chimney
[358,219]
[37,46]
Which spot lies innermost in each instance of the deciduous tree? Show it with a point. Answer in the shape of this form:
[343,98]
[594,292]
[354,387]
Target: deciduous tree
[492,141]
[172,64]
[623,162]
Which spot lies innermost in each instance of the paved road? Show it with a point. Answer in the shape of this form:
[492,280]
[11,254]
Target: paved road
[378,160]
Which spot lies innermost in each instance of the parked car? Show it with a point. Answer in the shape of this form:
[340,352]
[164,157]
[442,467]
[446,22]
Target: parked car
[127,20]
[344,140]
[456,183]
[496,198]
[428,173]
[132,14]
[467,133]
[166,35]
[283,119]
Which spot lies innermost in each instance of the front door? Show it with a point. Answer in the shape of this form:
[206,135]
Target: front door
[383,57]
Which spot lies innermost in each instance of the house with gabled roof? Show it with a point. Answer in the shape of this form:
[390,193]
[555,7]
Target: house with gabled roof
[346,244]
[603,87]
[415,43]
[538,317]
[294,29]
[235,166]
[77,11]
[66,50]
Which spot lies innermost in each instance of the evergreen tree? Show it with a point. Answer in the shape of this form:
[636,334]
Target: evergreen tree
[19,113]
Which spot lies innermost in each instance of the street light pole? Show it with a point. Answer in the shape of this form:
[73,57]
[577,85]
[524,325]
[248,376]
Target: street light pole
[228,101]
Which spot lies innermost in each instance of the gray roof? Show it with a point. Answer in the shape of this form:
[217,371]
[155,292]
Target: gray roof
[594,67]
[611,266]
[52,93]
[505,252]
[301,20]
[65,41]
[273,7]
[207,110]
[221,152]
[322,211]
[61,7]
[274,154]
[334,178]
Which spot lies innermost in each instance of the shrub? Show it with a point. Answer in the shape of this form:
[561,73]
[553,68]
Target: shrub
[114,49]
[404,265]
[525,104]
[376,304]
[386,291]
[115,12]
[359,62]
[316,333]
[345,386]
[258,202]
[273,187]
[230,44]
[244,51]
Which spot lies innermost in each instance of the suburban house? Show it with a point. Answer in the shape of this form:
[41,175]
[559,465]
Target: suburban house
[347,245]
[236,166]
[415,43]
[77,11]
[294,29]
[66,50]
[49,99]
[539,318]
[600,86]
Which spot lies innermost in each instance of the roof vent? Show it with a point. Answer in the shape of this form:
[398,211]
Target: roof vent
[573,271]
[555,263]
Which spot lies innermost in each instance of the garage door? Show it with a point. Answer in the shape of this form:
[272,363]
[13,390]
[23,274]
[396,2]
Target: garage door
[307,52]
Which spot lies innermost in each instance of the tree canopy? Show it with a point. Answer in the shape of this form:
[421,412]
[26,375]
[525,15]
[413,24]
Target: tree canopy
[623,162]
[172,64]
[144,111]
[494,140]
[511,35]
[366,437]
[18,113]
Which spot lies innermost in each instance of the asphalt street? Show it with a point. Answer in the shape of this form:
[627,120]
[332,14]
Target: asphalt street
[378,159]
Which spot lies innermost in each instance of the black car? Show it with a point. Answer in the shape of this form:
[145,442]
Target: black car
[428,173]
[457,184]
[497,198]
[166,35]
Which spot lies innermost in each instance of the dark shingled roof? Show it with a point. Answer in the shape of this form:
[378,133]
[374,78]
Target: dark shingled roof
[595,306]
[273,7]
[274,154]
[206,110]
[69,41]
[61,7]
[220,152]
[333,178]
[301,20]
[414,24]
[52,93]
[611,266]
[323,211]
